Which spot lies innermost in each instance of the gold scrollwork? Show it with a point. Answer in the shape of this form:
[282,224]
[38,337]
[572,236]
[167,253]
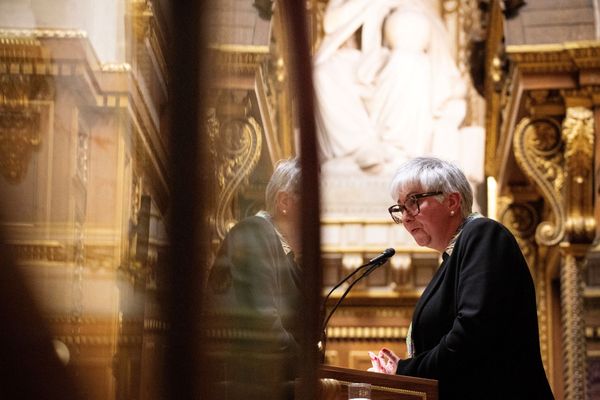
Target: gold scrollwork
[237,143]
[538,150]
[578,135]
[522,219]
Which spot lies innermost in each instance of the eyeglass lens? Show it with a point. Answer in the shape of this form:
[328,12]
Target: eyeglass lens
[411,207]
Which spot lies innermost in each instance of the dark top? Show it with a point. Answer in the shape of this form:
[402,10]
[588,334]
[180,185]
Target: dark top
[252,297]
[475,327]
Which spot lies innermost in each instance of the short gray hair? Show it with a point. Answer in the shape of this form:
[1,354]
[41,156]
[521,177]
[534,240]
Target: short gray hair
[285,178]
[433,174]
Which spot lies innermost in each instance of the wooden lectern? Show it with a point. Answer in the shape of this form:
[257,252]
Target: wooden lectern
[334,385]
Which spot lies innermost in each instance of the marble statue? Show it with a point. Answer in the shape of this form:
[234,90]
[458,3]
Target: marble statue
[387,86]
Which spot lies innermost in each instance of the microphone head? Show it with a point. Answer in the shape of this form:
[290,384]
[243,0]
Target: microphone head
[389,252]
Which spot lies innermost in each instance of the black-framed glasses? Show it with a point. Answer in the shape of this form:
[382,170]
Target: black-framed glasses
[410,206]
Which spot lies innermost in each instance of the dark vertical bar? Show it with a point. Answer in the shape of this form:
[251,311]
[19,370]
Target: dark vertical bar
[186,189]
[302,87]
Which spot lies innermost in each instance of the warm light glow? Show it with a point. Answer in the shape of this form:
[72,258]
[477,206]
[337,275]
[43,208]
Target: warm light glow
[491,197]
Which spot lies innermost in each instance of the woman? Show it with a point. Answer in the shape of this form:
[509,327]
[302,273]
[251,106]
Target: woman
[253,294]
[475,327]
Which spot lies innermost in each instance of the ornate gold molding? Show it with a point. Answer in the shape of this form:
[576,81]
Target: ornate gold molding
[572,321]
[565,57]
[538,146]
[366,332]
[147,42]
[494,61]
[44,33]
[19,118]
[238,60]
[115,67]
[522,219]
[395,391]
[578,136]
[52,251]
[236,142]
[277,81]
[19,137]
[544,103]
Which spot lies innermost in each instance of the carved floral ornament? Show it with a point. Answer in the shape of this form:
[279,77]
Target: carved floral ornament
[19,118]
[578,135]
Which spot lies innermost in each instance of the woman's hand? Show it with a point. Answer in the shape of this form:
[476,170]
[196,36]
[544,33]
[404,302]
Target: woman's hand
[385,362]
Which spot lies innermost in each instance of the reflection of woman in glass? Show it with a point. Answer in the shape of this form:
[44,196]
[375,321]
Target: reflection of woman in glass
[384,75]
[253,293]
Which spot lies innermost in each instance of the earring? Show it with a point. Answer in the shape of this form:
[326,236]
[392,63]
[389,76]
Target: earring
[284,212]
[451,212]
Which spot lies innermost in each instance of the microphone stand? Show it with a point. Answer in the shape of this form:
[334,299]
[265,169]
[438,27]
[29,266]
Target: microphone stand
[371,267]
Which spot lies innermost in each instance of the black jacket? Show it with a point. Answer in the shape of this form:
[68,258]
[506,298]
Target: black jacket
[250,316]
[475,327]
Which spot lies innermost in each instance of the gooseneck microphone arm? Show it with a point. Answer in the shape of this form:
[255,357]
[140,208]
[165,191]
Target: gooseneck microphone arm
[372,265]
[380,259]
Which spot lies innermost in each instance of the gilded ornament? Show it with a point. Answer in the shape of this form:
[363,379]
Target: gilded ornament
[115,67]
[19,117]
[520,218]
[572,321]
[538,150]
[578,135]
[19,138]
[44,33]
[237,145]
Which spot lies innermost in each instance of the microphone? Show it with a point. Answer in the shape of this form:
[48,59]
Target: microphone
[372,265]
[380,259]
[387,253]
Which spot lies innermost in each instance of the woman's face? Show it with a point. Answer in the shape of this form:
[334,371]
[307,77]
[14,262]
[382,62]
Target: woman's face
[433,226]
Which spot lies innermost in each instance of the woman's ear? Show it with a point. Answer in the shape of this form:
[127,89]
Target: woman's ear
[282,201]
[454,201]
